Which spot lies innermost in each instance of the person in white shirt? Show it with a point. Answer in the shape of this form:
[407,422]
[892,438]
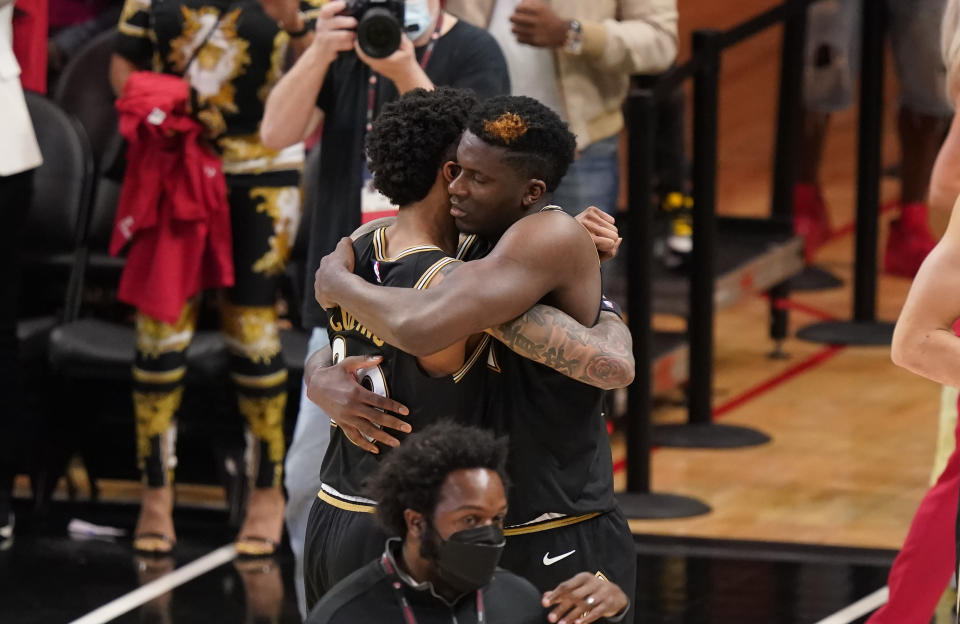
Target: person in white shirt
[18,158]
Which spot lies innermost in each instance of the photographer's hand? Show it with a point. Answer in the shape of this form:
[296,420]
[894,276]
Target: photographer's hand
[334,32]
[401,67]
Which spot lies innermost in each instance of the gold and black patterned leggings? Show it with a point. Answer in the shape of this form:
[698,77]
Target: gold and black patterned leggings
[265,212]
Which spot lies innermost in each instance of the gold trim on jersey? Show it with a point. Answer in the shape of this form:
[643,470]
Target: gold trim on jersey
[525,529]
[342,504]
[492,362]
[473,359]
[466,242]
[380,248]
[424,282]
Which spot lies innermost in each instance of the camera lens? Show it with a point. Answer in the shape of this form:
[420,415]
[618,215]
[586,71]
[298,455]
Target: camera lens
[379,32]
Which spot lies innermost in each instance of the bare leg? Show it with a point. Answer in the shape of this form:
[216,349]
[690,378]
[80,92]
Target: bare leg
[811,147]
[264,520]
[920,139]
[155,520]
[810,219]
[910,239]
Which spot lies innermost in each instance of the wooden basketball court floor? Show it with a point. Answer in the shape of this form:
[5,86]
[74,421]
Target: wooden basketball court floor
[853,436]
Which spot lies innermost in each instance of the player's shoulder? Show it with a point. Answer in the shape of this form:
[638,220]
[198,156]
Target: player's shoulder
[348,597]
[551,228]
[364,243]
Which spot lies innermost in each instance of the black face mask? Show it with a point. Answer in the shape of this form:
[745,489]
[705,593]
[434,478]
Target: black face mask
[465,561]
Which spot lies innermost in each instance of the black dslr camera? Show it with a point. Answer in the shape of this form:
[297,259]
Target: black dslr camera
[379,25]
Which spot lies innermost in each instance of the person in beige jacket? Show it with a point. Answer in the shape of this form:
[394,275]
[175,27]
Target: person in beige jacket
[19,156]
[577,57]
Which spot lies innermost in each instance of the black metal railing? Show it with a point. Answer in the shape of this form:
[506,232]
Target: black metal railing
[704,69]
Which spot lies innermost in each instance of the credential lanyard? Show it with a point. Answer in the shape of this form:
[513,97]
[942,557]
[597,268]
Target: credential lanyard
[397,585]
[374,79]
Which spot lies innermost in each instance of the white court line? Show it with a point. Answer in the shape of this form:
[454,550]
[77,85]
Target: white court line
[860,608]
[160,586]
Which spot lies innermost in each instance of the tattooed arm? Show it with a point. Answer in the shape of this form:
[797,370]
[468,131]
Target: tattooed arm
[599,356]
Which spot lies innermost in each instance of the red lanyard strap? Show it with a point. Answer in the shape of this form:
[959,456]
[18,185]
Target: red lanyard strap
[405,609]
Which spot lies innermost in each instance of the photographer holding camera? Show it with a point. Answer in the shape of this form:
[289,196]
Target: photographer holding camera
[339,79]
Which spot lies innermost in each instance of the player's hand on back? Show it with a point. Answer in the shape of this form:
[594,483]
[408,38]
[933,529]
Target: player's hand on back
[362,415]
[334,265]
[602,230]
[584,598]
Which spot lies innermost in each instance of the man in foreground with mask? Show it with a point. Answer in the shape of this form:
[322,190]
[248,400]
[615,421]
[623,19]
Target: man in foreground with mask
[442,496]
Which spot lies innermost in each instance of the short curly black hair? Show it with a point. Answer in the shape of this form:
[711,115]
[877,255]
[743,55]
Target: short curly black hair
[412,137]
[411,475]
[537,141]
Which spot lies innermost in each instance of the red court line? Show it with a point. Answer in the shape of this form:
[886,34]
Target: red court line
[848,228]
[799,368]
[793,304]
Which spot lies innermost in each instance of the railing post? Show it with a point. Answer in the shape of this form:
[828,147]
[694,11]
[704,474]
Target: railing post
[706,48]
[638,501]
[868,162]
[641,113]
[864,329]
[789,111]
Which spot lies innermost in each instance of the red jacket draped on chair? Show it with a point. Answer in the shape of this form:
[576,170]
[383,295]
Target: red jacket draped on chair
[173,208]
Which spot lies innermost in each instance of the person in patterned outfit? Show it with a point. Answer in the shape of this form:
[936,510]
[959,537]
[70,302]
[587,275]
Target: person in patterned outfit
[231,53]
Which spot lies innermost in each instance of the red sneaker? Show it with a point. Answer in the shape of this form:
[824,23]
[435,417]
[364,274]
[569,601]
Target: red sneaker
[909,242]
[810,218]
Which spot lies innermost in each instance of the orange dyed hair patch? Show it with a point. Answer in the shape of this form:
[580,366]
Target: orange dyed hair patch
[508,127]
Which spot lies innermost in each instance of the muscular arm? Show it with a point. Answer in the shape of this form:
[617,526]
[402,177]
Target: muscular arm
[598,356]
[944,181]
[291,106]
[531,260]
[923,341]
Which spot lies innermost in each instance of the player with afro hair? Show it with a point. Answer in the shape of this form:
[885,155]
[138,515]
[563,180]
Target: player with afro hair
[412,137]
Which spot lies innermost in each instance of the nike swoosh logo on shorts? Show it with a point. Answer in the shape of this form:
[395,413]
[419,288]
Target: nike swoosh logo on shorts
[548,560]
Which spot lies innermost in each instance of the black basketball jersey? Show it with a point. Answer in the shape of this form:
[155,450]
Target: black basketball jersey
[560,463]
[458,396]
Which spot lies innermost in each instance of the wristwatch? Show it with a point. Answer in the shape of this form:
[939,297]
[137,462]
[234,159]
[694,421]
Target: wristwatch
[574,42]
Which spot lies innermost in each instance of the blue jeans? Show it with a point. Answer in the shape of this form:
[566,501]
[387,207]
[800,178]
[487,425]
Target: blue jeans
[302,469]
[592,180]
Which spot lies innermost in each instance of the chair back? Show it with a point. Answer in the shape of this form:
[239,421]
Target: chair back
[62,191]
[84,91]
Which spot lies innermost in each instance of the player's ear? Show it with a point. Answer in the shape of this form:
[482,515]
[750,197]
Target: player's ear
[534,192]
[415,523]
[450,171]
